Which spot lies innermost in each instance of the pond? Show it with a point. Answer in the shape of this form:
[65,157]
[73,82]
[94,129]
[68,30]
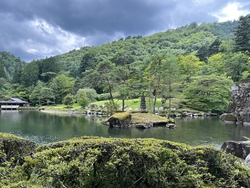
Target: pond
[47,127]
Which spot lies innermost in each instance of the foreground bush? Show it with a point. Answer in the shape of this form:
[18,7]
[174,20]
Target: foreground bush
[111,162]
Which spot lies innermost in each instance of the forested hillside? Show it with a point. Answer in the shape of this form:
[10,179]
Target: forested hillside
[196,63]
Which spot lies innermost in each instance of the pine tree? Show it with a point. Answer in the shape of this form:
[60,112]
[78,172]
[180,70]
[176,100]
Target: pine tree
[2,71]
[242,34]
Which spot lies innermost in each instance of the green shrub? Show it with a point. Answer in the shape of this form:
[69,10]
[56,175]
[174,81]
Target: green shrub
[112,162]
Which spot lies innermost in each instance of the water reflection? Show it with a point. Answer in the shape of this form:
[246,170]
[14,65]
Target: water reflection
[46,127]
[120,132]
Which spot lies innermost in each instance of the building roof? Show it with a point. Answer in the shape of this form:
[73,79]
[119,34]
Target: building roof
[13,101]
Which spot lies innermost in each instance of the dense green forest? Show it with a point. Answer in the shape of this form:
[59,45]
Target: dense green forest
[195,63]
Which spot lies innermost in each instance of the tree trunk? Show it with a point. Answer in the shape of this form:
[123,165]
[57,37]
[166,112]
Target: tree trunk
[123,105]
[110,92]
[170,100]
[155,101]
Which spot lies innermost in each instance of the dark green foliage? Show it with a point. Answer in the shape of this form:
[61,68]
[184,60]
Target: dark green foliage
[236,64]
[30,74]
[107,162]
[9,62]
[89,60]
[207,50]
[242,35]
[120,66]
[18,68]
[2,71]
[48,69]
[202,53]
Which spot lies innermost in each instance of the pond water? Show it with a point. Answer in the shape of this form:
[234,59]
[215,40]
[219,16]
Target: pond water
[46,127]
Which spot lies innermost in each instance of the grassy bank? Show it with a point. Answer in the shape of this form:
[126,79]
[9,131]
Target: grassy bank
[130,104]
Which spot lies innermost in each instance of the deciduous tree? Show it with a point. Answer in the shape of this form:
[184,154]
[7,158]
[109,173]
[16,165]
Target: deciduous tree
[209,93]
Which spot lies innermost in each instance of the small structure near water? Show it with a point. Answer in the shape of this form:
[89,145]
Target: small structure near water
[12,104]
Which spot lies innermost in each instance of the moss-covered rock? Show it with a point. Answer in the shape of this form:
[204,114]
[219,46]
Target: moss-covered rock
[112,162]
[122,119]
[228,118]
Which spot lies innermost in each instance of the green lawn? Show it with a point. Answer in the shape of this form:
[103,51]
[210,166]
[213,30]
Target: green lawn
[130,103]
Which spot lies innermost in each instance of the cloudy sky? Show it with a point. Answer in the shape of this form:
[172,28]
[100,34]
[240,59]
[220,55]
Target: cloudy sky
[37,29]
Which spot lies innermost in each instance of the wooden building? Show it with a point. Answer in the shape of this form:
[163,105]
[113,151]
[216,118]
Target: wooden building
[12,104]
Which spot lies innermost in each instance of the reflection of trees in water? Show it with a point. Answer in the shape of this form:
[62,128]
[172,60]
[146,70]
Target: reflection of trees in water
[121,132]
[94,118]
[238,132]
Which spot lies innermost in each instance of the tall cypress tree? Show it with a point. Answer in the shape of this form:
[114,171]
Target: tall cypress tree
[242,34]
[2,71]
[18,68]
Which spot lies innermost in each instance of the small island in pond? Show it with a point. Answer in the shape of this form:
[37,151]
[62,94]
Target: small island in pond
[138,120]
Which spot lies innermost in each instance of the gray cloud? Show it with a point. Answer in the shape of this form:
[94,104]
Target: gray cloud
[36,29]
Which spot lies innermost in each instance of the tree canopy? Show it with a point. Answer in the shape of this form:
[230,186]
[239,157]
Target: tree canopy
[161,66]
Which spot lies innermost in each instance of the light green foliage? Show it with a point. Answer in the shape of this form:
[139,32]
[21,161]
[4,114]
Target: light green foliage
[161,74]
[209,93]
[42,95]
[35,96]
[91,94]
[46,95]
[82,98]
[103,76]
[112,162]
[217,61]
[61,85]
[111,106]
[227,46]
[69,100]
[189,65]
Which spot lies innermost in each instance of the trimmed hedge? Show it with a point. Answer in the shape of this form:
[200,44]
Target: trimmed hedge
[113,162]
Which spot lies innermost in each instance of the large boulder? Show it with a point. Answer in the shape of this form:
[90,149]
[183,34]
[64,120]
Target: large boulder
[238,148]
[239,106]
[122,119]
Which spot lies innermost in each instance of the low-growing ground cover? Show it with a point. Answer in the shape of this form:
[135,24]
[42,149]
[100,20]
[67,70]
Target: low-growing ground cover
[113,162]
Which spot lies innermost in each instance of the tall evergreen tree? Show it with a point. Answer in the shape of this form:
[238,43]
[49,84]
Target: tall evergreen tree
[48,69]
[30,74]
[2,71]
[88,61]
[242,34]
[214,47]
[18,68]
